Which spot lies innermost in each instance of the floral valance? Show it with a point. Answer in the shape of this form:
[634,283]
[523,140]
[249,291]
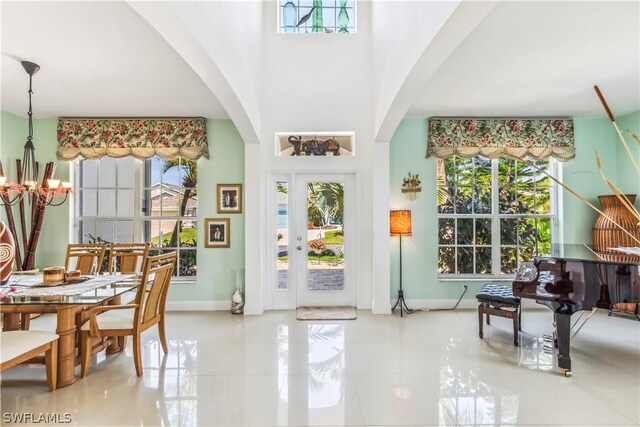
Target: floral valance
[140,138]
[492,138]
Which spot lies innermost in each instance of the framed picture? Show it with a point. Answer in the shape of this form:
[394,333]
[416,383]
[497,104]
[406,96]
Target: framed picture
[217,233]
[229,198]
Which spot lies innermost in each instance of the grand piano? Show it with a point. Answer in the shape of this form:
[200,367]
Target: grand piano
[575,278]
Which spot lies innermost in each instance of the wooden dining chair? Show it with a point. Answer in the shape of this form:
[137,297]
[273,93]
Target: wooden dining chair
[132,319]
[19,346]
[127,257]
[87,256]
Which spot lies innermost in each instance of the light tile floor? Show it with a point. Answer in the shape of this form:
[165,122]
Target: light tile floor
[426,369]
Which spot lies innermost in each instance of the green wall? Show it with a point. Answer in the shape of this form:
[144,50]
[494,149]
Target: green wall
[216,265]
[407,154]
[55,230]
[629,178]
[226,165]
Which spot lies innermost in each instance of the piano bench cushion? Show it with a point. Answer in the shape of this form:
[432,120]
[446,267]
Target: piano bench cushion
[499,294]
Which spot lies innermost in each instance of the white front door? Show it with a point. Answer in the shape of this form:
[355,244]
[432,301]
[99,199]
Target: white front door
[324,240]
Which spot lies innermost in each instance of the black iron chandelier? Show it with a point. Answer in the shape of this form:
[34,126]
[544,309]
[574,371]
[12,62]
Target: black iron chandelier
[50,191]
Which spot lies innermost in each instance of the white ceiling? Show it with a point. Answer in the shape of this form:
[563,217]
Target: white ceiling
[541,59]
[524,59]
[97,59]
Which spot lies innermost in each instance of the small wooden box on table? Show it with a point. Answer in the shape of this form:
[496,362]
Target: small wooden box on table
[499,301]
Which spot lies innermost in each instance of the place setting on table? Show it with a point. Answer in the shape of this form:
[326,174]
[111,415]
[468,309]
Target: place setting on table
[55,281]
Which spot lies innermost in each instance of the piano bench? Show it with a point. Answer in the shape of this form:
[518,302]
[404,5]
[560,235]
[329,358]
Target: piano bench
[499,301]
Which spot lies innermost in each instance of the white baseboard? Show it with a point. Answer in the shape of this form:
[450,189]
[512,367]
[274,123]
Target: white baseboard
[465,304]
[199,305]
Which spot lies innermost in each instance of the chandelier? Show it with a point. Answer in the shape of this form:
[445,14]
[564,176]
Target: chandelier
[48,192]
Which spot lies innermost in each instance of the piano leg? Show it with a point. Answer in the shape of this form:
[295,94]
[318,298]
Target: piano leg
[563,328]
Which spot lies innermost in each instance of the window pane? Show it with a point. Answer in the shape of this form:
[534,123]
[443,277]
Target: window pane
[124,232]
[168,239]
[465,260]
[463,200]
[465,231]
[507,200]
[482,173]
[282,228]
[445,199]
[88,202]
[483,260]
[543,200]
[508,260]
[483,231]
[125,203]
[508,231]
[506,172]
[464,172]
[188,234]
[446,260]
[107,172]
[105,231]
[87,230]
[482,200]
[526,199]
[126,172]
[154,171]
[187,261]
[525,173]
[446,233]
[89,173]
[447,170]
[544,236]
[106,203]
[152,232]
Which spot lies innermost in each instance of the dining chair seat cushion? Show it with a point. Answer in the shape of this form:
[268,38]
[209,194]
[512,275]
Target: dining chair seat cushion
[114,319]
[17,343]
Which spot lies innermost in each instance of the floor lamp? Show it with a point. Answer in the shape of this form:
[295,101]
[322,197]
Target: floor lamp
[400,225]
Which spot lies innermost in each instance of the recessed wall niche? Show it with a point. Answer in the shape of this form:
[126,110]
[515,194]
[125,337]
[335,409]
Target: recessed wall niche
[314,144]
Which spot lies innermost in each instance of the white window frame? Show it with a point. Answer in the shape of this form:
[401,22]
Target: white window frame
[495,217]
[138,217]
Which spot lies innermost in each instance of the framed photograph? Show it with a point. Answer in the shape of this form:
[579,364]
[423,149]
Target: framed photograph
[229,198]
[217,233]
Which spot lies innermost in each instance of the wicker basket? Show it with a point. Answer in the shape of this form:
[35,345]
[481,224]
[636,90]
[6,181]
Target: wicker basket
[605,234]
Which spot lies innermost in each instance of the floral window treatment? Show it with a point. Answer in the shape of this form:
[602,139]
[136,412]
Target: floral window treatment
[140,138]
[493,138]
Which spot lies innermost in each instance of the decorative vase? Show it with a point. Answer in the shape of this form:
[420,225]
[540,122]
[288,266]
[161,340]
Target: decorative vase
[316,17]
[7,253]
[605,233]
[237,299]
[343,17]
[289,14]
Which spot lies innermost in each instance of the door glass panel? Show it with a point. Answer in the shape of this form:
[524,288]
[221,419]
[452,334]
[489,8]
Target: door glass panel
[282,226]
[325,237]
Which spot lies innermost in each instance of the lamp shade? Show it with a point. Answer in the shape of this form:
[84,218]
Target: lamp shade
[400,223]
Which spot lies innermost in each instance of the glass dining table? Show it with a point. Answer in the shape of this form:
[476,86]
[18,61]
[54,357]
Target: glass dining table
[69,301]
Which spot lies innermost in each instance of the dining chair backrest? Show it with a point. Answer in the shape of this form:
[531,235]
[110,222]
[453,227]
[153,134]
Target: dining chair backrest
[88,257]
[127,257]
[151,300]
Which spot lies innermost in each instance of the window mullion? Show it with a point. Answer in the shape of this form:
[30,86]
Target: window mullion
[495,218]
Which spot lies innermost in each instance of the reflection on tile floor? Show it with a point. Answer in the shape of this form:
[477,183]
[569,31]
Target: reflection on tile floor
[427,369]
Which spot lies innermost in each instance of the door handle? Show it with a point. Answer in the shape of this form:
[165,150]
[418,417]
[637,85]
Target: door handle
[299,247]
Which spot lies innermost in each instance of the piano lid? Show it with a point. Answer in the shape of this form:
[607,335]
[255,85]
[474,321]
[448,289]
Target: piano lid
[576,252]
